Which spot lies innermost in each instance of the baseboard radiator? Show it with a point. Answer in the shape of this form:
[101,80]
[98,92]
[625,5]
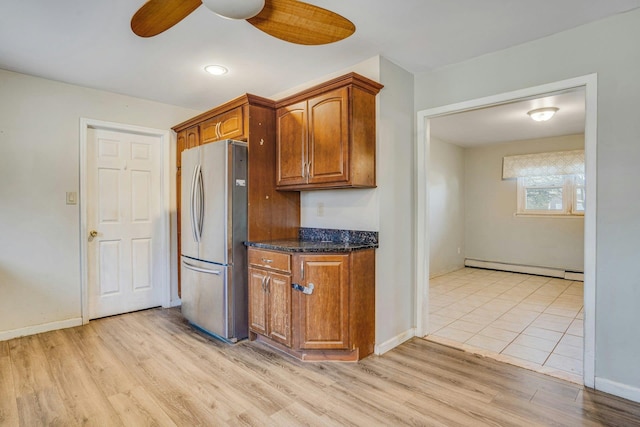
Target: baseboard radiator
[527,269]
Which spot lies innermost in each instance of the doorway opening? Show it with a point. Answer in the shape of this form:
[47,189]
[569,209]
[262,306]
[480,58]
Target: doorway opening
[561,296]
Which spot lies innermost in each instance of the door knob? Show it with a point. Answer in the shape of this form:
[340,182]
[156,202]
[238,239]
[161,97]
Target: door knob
[93,233]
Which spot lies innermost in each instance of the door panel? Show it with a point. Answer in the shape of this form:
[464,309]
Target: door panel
[324,314]
[109,265]
[215,233]
[329,137]
[123,205]
[279,295]
[140,194]
[204,301]
[291,147]
[188,241]
[257,301]
[141,262]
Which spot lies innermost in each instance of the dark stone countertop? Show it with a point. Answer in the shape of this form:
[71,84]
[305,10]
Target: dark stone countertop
[309,246]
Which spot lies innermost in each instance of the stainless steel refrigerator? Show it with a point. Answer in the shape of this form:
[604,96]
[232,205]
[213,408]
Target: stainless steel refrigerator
[214,228]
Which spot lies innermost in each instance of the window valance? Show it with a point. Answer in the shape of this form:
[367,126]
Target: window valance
[543,164]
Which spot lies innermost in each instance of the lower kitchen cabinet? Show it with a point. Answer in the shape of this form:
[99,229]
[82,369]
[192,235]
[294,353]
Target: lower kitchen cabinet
[270,295]
[323,315]
[318,306]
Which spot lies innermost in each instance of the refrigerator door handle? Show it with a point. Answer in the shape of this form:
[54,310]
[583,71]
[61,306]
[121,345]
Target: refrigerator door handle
[192,198]
[201,203]
[200,269]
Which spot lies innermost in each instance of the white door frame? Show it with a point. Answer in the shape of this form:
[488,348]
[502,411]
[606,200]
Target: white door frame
[165,200]
[589,82]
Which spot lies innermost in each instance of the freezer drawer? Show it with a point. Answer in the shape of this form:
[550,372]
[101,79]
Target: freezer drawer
[205,297]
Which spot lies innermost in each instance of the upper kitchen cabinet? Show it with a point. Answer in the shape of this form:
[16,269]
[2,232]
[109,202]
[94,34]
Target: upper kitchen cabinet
[187,138]
[227,125]
[326,136]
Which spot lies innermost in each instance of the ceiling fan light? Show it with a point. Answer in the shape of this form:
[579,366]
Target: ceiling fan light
[235,9]
[542,114]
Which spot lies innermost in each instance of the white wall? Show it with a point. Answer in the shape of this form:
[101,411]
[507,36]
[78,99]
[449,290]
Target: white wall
[494,233]
[388,208]
[39,163]
[446,207]
[609,48]
[395,259]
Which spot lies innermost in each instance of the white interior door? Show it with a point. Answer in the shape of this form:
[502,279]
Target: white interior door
[124,214]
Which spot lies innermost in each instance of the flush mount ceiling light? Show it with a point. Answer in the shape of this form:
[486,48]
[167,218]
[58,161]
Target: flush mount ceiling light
[216,70]
[235,9]
[542,114]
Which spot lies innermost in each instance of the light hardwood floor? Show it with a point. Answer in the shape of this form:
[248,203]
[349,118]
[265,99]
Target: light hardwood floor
[151,368]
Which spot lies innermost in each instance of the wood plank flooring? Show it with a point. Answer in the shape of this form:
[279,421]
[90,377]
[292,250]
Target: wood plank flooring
[152,368]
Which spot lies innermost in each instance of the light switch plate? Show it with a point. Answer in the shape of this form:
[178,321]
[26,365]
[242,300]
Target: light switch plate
[72,197]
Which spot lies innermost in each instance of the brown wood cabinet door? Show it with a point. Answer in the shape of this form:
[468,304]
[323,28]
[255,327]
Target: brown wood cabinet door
[324,315]
[193,137]
[258,301]
[227,125]
[329,137]
[231,124]
[291,144]
[279,296]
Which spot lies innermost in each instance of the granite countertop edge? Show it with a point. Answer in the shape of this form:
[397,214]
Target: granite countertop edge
[307,246]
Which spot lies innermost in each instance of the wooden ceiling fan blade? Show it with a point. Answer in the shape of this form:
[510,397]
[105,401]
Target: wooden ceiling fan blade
[301,23]
[156,16]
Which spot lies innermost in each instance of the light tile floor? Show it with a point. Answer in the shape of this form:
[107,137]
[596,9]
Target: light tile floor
[530,321]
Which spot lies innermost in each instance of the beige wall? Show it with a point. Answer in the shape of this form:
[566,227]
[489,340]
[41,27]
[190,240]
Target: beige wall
[39,163]
[446,207]
[609,48]
[494,233]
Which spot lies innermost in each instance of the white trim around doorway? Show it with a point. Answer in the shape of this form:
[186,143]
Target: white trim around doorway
[165,138]
[589,82]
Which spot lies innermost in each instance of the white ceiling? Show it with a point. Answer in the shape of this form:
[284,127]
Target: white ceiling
[90,43]
[510,122]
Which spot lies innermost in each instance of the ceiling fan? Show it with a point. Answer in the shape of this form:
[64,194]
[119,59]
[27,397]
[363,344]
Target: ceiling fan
[290,20]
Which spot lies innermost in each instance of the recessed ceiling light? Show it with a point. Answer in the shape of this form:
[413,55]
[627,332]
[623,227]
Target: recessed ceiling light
[216,70]
[542,114]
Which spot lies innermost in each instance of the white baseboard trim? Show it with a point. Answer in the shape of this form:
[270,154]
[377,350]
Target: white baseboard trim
[394,342]
[527,269]
[175,303]
[37,329]
[570,275]
[618,389]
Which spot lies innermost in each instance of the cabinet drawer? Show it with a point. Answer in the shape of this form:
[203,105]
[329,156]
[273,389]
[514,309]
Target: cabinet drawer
[271,260]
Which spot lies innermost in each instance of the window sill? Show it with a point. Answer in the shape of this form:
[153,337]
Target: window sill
[533,215]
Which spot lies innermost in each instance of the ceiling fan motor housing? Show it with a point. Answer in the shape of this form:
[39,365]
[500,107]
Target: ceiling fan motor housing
[235,9]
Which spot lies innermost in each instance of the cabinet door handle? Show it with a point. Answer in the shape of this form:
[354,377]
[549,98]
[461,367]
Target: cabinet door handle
[308,169]
[264,279]
[307,290]
[304,168]
[218,130]
[266,285]
[302,269]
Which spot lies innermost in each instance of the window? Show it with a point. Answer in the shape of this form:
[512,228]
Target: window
[548,183]
[551,195]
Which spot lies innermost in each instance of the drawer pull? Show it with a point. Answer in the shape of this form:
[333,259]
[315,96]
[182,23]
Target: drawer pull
[307,290]
[268,261]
